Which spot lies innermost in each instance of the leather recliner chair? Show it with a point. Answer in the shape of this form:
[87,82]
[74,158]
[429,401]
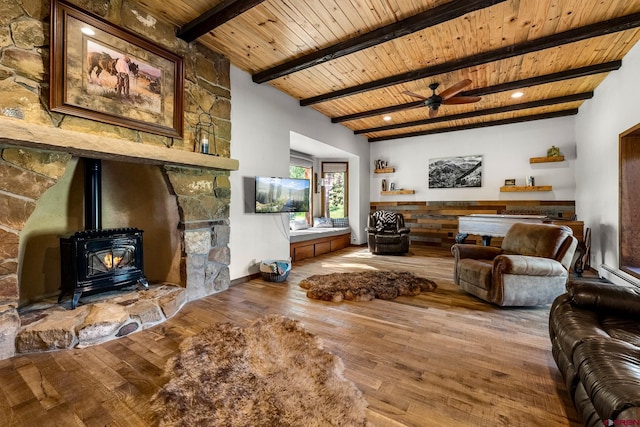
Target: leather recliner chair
[387,234]
[530,268]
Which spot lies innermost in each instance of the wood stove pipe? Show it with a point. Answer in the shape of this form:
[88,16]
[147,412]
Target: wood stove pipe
[92,194]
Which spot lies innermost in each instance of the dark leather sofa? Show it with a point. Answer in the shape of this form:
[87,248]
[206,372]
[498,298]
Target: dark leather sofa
[595,335]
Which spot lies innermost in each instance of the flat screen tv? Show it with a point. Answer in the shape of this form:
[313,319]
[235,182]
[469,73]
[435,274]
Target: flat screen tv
[275,195]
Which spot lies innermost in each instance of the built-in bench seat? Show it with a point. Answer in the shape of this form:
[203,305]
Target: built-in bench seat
[312,242]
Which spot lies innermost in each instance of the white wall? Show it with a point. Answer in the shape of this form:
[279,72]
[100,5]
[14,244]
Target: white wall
[262,118]
[505,149]
[614,109]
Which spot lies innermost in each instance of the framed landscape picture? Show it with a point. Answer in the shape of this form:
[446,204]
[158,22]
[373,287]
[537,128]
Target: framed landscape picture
[105,73]
[455,172]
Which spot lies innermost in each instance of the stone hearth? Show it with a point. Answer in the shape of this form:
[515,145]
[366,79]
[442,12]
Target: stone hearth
[201,200]
[37,145]
[48,325]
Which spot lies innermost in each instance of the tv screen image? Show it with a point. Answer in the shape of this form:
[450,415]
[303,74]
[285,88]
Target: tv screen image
[275,195]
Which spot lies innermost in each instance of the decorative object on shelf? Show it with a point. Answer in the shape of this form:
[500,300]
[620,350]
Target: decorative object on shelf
[531,181]
[392,186]
[455,172]
[509,182]
[87,80]
[384,185]
[553,151]
[379,164]
[204,134]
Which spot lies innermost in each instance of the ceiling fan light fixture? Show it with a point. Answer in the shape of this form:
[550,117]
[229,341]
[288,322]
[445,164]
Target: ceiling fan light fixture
[517,95]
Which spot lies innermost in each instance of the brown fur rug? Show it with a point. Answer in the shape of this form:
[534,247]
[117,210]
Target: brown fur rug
[271,373]
[365,286]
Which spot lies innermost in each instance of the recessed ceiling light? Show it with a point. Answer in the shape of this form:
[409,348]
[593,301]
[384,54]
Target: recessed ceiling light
[386,118]
[517,94]
[88,31]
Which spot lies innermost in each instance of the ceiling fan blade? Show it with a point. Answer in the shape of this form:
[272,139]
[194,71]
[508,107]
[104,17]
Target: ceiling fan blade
[453,90]
[462,100]
[433,113]
[415,95]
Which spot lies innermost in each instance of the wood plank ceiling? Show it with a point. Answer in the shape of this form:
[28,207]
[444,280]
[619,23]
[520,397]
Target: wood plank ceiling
[353,60]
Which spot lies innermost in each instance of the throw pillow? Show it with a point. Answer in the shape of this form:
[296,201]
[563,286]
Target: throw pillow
[299,224]
[322,223]
[385,220]
[340,222]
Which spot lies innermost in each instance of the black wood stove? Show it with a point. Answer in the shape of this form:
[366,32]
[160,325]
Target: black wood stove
[96,260]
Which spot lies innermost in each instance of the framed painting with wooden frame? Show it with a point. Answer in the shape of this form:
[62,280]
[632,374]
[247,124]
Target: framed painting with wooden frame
[105,73]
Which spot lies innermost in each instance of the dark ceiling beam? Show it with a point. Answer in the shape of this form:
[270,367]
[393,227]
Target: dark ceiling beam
[378,111]
[548,78]
[563,113]
[225,11]
[428,18]
[577,34]
[479,113]
[504,87]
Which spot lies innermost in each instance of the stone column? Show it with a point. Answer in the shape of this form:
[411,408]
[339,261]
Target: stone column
[206,260]
[24,176]
[203,198]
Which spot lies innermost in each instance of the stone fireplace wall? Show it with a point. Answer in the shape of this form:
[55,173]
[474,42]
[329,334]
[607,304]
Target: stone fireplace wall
[202,195]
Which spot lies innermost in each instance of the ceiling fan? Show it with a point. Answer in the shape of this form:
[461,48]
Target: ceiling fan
[447,96]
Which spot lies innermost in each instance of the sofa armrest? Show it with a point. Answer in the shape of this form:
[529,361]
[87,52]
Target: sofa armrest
[461,250]
[528,266]
[404,230]
[604,296]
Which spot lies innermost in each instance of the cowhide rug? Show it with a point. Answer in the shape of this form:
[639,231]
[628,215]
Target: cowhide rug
[271,373]
[365,285]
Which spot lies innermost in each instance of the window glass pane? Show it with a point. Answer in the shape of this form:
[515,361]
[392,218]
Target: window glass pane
[335,194]
[304,173]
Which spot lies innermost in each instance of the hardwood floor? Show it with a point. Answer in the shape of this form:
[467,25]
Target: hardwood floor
[441,358]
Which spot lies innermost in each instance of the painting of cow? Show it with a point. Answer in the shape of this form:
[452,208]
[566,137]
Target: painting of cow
[99,61]
[133,68]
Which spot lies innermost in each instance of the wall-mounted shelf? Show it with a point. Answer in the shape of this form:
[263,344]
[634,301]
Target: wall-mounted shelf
[385,170]
[524,188]
[392,192]
[546,159]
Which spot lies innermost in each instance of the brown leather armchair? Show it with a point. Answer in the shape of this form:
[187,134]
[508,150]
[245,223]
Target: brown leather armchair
[386,233]
[531,267]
